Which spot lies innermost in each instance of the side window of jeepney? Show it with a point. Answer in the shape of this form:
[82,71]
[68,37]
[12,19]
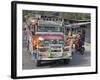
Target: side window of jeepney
[61,29]
[40,29]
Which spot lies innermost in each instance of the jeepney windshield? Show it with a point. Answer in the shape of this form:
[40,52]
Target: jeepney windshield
[49,29]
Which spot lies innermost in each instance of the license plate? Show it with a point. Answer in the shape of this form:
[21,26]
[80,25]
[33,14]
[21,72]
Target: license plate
[56,55]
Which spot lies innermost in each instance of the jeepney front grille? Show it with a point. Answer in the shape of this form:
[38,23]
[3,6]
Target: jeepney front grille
[56,50]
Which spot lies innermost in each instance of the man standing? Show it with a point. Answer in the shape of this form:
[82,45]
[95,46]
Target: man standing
[34,24]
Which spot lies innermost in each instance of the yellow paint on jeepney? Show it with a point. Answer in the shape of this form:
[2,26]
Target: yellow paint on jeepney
[35,41]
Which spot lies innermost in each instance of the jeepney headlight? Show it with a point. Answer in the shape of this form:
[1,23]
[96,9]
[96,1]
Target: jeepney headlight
[41,39]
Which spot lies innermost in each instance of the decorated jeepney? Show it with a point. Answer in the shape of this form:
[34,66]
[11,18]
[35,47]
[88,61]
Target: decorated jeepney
[48,43]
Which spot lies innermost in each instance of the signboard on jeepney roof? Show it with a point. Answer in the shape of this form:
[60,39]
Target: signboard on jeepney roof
[50,23]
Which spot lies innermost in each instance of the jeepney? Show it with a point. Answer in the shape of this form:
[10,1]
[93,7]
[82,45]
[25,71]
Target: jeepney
[48,43]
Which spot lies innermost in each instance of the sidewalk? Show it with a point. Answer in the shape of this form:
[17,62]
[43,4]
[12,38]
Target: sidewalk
[87,46]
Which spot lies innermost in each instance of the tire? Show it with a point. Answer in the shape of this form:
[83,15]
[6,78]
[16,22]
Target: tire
[82,50]
[38,63]
[66,61]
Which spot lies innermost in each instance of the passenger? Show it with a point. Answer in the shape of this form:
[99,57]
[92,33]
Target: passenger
[77,39]
[70,42]
[79,42]
[69,39]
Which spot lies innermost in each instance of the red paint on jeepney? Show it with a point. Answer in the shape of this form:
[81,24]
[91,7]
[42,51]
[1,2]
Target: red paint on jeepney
[35,38]
[51,36]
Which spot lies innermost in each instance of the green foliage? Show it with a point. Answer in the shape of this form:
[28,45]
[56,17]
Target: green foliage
[75,16]
[27,12]
[64,15]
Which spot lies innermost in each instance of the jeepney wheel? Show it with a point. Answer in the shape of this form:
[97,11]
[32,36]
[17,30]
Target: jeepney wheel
[38,62]
[82,50]
[66,61]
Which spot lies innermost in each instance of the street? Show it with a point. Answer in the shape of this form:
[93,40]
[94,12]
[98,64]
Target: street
[77,60]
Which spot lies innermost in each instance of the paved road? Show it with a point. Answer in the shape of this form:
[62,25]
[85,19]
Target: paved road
[77,60]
